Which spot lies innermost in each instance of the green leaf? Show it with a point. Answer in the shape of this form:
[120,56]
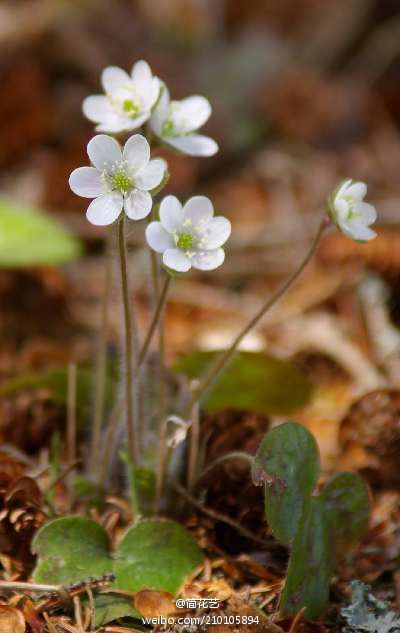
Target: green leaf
[156,554]
[287,461]
[310,564]
[345,500]
[71,549]
[251,382]
[30,238]
[153,554]
[56,382]
[110,607]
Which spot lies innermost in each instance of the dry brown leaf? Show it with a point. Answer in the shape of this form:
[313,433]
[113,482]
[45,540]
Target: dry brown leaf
[154,603]
[11,620]
[373,423]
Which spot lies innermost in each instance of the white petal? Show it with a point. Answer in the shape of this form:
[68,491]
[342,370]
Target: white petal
[196,110]
[121,123]
[104,152]
[105,209]
[116,82]
[177,260]
[357,191]
[151,175]
[358,232]
[138,205]
[171,214]
[193,144]
[158,238]
[199,210]
[98,108]
[341,210]
[141,73]
[86,182]
[218,231]
[146,85]
[343,188]
[136,153]
[208,260]
[161,111]
[366,211]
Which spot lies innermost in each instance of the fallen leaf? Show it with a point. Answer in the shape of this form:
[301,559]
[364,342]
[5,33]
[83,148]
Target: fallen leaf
[11,620]
[154,603]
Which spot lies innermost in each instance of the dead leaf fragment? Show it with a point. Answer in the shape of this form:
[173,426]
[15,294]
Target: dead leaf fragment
[154,603]
[11,620]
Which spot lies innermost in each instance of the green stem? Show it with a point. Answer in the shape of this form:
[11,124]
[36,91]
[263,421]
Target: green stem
[225,356]
[101,366]
[128,384]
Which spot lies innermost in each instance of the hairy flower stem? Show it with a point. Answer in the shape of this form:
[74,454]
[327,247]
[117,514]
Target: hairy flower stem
[129,342]
[194,446]
[224,358]
[101,366]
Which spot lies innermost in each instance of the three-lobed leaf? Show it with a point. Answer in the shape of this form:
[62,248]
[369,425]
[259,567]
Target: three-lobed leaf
[153,554]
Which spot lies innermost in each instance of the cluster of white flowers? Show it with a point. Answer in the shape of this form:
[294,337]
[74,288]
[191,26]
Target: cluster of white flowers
[123,179]
[132,100]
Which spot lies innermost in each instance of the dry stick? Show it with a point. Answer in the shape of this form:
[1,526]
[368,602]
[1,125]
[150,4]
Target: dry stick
[131,431]
[101,366]
[224,358]
[217,516]
[34,587]
[71,413]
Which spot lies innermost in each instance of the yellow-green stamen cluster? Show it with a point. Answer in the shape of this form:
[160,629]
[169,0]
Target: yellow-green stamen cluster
[131,107]
[121,182]
[185,241]
[167,128]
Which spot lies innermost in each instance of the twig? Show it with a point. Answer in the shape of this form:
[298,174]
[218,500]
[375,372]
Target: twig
[296,620]
[78,614]
[36,588]
[217,516]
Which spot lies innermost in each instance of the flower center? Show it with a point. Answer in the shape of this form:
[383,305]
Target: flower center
[131,107]
[121,182]
[167,128]
[185,241]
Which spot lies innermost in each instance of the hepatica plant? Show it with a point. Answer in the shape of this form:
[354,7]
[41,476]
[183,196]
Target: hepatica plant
[134,116]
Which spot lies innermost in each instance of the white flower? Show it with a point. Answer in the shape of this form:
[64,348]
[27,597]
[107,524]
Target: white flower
[118,179]
[176,123]
[189,235]
[350,213]
[128,99]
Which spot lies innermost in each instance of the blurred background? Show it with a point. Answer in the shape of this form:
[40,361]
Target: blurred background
[304,94]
